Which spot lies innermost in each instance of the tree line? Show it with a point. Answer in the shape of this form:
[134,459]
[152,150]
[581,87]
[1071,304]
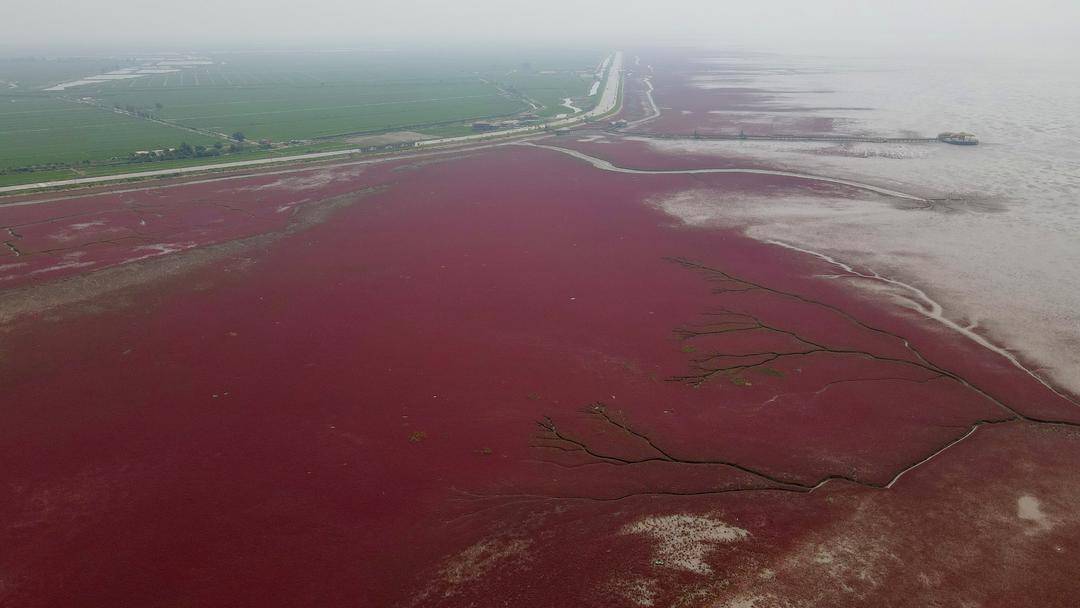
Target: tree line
[186,150]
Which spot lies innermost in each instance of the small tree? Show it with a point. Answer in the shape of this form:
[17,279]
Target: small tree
[238,136]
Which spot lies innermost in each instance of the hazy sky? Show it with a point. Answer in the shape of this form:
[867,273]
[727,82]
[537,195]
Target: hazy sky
[1032,27]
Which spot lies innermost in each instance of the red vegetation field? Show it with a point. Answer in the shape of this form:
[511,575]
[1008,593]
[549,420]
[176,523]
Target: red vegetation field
[502,379]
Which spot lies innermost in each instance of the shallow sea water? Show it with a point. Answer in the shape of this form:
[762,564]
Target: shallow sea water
[1004,255]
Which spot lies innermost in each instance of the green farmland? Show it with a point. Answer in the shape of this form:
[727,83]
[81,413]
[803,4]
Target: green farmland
[550,90]
[284,112]
[37,130]
[292,99]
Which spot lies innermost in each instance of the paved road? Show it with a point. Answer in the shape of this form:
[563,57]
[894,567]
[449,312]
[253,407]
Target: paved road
[608,101]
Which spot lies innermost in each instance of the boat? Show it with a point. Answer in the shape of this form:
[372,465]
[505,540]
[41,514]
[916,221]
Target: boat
[959,139]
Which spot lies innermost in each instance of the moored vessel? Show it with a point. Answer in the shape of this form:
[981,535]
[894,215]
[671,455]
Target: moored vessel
[960,139]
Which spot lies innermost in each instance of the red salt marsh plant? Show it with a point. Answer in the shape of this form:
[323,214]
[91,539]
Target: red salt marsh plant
[437,303]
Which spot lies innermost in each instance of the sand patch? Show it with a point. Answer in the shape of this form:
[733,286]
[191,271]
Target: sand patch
[683,541]
[464,573]
[755,601]
[74,231]
[310,181]
[851,561]
[481,558]
[85,225]
[639,591]
[1028,508]
[61,266]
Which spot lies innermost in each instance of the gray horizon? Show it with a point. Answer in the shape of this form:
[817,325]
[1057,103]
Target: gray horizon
[995,28]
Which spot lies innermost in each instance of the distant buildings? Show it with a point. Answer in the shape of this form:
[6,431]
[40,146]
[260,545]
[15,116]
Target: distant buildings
[483,126]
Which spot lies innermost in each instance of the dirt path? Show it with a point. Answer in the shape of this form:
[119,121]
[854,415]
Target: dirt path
[607,166]
[653,109]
